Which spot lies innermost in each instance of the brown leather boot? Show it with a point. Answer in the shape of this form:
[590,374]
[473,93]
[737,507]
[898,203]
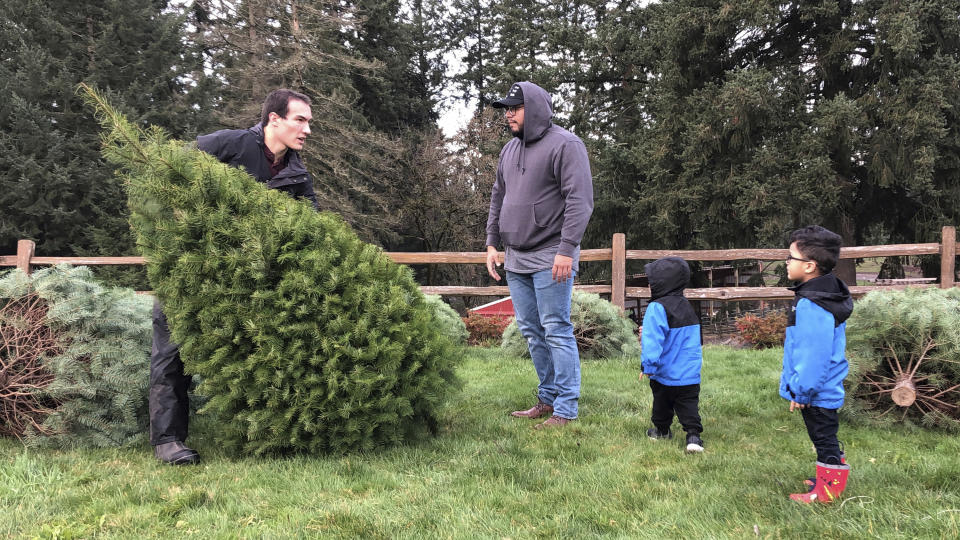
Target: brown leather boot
[538,410]
[553,421]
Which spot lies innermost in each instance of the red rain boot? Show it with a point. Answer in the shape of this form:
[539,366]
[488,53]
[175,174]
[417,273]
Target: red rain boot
[831,481]
[810,482]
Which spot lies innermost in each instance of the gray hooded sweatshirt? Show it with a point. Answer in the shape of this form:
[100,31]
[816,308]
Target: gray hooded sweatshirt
[543,196]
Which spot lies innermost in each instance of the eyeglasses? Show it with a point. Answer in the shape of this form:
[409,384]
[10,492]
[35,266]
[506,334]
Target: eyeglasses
[792,258]
[512,111]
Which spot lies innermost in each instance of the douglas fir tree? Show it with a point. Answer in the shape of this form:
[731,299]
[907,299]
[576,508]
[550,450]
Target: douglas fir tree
[305,339]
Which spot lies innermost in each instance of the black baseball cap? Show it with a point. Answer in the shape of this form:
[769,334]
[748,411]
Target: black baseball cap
[513,97]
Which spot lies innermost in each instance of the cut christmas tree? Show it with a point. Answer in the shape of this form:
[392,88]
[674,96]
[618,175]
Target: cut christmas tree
[904,350]
[305,338]
[74,357]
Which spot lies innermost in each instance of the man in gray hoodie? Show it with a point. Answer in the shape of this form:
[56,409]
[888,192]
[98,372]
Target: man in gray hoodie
[539,208]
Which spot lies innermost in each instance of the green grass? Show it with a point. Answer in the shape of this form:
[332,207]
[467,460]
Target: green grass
[491,476]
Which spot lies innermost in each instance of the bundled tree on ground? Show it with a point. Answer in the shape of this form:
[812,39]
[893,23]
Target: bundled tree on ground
[74,358]
[305,338]
[904,349]
[599,327]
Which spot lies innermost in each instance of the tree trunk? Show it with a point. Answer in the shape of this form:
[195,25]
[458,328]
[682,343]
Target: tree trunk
[846,269]
[905,392]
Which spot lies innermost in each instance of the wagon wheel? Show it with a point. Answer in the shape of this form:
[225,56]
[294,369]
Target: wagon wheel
[911,390]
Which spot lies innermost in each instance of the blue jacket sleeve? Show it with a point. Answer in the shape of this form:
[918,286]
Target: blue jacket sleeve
[655,328]
[813,347]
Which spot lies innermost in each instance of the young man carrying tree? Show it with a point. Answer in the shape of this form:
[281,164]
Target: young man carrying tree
[268,151]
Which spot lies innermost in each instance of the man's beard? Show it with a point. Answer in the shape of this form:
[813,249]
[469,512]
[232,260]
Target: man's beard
[518,133]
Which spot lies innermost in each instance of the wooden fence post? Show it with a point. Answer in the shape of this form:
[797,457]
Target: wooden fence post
[948,254]
[618,275]
[25,249]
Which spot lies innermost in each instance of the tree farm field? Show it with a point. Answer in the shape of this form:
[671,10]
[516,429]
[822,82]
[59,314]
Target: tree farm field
[488,475]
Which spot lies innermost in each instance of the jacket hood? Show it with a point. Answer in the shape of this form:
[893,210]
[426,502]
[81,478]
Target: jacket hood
[257,130]
[667,276]
[537,112]
[828,292]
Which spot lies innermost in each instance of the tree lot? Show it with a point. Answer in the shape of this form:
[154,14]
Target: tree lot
[491,476]
[710,124]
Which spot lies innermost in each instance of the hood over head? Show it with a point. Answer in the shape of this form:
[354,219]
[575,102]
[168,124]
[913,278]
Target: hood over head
[537,111]
[829,292]
[667,276]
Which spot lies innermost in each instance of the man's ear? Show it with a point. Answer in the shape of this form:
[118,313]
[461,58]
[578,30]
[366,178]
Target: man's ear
[273,117]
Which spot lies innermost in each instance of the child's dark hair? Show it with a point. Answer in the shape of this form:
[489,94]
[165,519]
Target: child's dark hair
[819,245]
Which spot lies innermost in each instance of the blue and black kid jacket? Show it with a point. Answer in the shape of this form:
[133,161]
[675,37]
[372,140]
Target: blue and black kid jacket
[672,353]
[814,364]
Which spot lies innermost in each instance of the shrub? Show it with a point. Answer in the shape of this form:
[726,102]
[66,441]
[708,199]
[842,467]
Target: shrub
[763,332]
[447,320]
[305,338]
[601,330]
[78,355]
[903,348]
[485,330]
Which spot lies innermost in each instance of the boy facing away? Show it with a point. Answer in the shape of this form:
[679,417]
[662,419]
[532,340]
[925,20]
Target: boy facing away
[814,364]
[672,352]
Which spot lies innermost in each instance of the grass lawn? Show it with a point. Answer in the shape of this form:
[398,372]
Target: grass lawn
[492,476]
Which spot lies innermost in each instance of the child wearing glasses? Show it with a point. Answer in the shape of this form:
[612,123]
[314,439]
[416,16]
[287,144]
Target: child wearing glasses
[672,353]
[814,364]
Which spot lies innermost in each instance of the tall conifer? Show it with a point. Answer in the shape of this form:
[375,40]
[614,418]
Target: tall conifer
[54,187]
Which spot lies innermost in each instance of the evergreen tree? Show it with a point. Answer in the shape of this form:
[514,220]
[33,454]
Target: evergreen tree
[471,31]
[54,187]
[259,45]
[97,385]
[305,338]
[903,349]
[761,117]
[720,124]
[401,94]
[601,330]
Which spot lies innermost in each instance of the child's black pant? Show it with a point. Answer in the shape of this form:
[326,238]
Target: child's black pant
[684,400]
[822,425]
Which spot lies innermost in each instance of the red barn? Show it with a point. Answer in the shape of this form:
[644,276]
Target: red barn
[498,308]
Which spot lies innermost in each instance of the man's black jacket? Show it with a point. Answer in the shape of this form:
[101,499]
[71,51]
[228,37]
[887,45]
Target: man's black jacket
[244,148]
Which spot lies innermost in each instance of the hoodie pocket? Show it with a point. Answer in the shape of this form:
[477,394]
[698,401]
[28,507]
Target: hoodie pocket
[545,214]
[517,224]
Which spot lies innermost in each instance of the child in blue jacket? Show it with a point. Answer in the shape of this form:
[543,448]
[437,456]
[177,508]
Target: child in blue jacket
[672,352]
[814,364]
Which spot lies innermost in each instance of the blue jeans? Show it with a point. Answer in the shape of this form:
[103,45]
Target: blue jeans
[542,307]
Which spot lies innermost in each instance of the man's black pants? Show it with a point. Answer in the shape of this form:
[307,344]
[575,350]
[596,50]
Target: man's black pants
[682,400]
[822,425]
[169,401]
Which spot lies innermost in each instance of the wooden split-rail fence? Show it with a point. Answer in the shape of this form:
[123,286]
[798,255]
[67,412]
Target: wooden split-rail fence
[617,255]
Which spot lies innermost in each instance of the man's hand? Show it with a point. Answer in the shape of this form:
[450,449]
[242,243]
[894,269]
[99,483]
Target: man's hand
[640,378]
[493,261]
[562,268]
[795,405]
